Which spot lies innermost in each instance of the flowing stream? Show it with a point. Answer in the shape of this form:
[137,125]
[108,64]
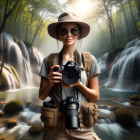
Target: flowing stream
[107,127]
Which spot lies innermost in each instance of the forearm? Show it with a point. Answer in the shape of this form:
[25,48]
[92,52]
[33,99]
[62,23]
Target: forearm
[44,92]
[89,93]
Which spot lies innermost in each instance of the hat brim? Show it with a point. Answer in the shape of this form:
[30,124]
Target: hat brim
[85,28]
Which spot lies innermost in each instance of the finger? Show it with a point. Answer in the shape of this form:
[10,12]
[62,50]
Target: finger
[53,68]
[55,73]
[55,81]
[56,77]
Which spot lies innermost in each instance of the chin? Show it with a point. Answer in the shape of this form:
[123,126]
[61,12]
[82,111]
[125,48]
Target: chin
[69,44]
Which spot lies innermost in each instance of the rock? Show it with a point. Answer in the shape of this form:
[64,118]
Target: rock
[138,115]
[12,138]
[36,129]
[11,122]
[1,114]
[133,103]
[1,125]
[2,137]
[28,138]
[138,88]
[134,98]
[124,116]
[13,106]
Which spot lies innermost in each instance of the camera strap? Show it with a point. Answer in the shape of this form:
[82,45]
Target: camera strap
[77,57]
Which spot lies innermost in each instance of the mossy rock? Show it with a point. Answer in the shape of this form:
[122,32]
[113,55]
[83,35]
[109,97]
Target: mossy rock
[1,114]
[3,79]
[36,129]
[16,75]
[2,137]
[134,98]
[13,106]
[133,103]
[124,116]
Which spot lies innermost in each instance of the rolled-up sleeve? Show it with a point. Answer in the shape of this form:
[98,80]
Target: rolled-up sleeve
[44,69]
[94,68]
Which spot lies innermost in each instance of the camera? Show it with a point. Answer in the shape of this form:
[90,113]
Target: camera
[71,72]
[70,108]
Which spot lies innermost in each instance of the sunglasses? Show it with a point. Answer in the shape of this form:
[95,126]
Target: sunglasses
[64,31]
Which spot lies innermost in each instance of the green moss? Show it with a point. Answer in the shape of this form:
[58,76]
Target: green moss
[134,98]
[13,106]
[3,79]
[36,128]
[124,115]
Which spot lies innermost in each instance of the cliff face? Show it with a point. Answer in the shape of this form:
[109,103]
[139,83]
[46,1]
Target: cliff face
[124,71]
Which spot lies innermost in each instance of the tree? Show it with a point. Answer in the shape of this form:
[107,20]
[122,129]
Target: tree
[7,14]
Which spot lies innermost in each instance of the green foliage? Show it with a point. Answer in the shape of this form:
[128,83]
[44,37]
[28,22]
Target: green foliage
[138,25]
[30,18]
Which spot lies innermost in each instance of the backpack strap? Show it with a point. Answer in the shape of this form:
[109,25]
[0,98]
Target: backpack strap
[87,64]
[52,60]
[87,67]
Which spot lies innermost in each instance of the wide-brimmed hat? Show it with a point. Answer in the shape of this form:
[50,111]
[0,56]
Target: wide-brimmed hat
[68,17]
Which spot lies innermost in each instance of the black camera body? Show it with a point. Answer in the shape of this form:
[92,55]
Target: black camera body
[70,108]
[71,72]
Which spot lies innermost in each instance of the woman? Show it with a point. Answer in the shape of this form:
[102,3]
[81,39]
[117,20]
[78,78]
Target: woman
[68,29]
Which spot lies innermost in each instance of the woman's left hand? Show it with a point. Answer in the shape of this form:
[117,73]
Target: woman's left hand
[68,86]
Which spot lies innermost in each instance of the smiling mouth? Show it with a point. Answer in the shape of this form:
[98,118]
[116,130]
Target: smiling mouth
[69,40]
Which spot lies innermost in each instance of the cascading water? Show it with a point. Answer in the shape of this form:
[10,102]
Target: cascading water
[14,52]
[125,68]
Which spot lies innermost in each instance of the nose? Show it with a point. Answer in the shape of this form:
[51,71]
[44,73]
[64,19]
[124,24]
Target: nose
[69,33]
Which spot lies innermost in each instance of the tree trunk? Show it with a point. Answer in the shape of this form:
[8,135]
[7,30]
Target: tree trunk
[133,18]
[137,2]
[101,28]
[129,35]
[111,33]
[16,18]
[7,15]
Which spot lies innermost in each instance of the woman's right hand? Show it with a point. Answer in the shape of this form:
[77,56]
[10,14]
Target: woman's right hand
[54,77]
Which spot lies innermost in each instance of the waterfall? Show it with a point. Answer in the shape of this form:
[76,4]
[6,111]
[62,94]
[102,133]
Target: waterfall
[124,73]
[14,52]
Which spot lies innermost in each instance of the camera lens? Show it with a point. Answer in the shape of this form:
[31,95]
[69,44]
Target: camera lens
[70,76]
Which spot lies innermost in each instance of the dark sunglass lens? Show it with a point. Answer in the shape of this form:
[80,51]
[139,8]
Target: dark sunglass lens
[63,32]
[74,32]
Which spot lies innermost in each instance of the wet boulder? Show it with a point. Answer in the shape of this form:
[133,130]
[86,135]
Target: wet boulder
[13,106]
[36,129]
[134,98]
[10,138]
[2,137]
[11,122]
[133,103]
[124,116]
[1,114]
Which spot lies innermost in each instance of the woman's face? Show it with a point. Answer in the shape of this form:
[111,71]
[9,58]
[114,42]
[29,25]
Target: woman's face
[68,39]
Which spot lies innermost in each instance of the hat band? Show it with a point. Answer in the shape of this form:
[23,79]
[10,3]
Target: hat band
[68,18]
